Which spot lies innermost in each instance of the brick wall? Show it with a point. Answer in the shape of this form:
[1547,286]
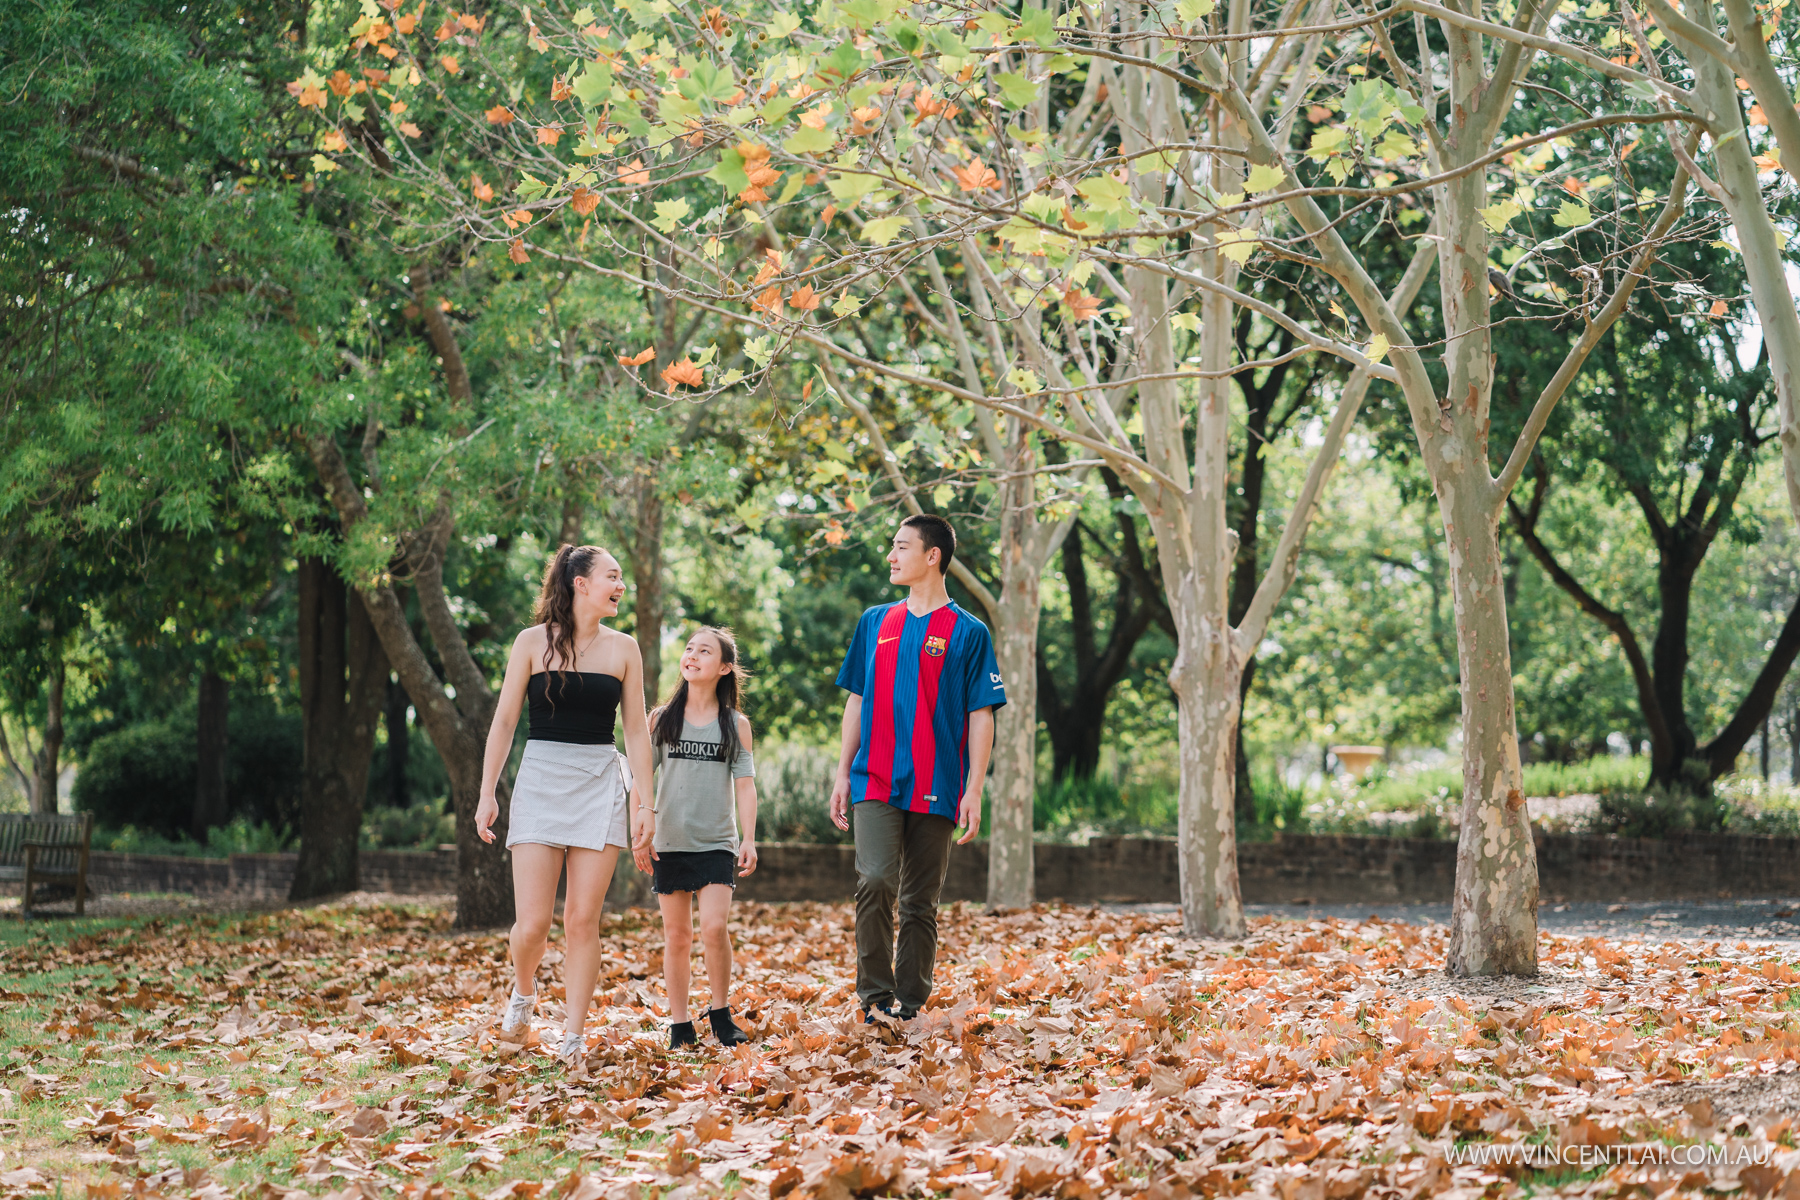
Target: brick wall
[1325,870]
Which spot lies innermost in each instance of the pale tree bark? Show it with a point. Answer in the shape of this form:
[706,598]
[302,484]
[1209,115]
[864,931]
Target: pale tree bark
[1493,924]
[1716,67]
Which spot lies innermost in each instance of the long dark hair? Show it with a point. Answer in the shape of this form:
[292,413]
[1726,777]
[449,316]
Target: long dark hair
[665,722]
[556,602]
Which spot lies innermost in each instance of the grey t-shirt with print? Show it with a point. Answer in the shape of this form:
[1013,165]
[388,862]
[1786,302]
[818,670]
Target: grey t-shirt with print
[696,797]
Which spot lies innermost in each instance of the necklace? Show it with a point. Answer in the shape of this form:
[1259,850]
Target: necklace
[581,650]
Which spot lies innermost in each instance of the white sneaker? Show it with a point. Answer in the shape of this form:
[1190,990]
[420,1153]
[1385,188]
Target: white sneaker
[574,1047]
[518,1012]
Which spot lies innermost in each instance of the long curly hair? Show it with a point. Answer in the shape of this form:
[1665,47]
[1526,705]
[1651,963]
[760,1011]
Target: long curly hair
[556,602]
[665,722]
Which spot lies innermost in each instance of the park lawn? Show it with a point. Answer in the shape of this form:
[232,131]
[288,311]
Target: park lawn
[349,1049]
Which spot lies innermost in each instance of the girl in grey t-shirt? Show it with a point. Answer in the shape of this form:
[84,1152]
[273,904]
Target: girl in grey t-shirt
[705,777]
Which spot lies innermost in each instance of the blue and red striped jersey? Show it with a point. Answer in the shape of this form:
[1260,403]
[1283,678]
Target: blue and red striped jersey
[919,679]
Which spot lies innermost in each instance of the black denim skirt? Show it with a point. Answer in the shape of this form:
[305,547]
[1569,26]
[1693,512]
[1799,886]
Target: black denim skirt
[690,870]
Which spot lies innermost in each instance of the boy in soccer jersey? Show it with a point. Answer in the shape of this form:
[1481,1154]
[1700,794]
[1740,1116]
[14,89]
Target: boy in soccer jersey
[918,732]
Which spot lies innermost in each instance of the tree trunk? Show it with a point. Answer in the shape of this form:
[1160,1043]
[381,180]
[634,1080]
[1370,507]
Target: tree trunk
[647,578]
[1672,756]
[211,804]
[45,763]
[399,745]
[343,681]
[1206,687]
[1011,868]
[1494,915]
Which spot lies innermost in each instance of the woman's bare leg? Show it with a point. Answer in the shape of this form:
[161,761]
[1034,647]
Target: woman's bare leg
[536,872]
[678,947]
[590,875]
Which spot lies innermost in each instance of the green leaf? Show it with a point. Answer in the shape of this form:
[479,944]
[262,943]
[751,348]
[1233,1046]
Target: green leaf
[1192,10]
[706,356]
[1395,144]
[782,24]
[942,495]
[1105,193]
[867,14]
[1499,215]
[1187,321]
[1238,245]
[758,350]
[1037,25]
[1264,179]
[844,62]
[669,214]
[851,188]
[730,377]
[1327,140]
[997,26]
[583,16]
[1024,380]
[729,173]
[1016,91]
[777,108]
[882,230]
[530,188]
[946,42]
[795,181]
[707,81]
[593,85]
[1378,347]
[1572,214]
[846,304]
[807,140]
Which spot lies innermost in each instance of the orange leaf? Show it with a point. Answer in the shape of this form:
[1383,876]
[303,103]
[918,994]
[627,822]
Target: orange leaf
[407,23]
[312,97]
[815,119]
[549,135]
[769,302]
[583,201]
[639,359]
[1768,162]
[975,177]
[375,76]
[559,90]
[752,152]
[1084,306]
[634,175]
[684,373]
[804,299]
[1718,309]
[411,130]
[340,83]
[396,108]
[449,63]
[1757,115]
[835,534]
[333,141]
[517,217]
[515,250]
[386,51]
[484,191]
[1069,220]
[499,115]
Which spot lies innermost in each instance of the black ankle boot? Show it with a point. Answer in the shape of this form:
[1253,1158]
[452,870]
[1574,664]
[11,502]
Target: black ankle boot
[682,1034]
[724,1028]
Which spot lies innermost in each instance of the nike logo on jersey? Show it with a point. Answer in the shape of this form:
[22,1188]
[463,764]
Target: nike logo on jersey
[881,641]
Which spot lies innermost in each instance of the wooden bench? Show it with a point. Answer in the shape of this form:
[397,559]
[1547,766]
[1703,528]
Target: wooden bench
[40,848]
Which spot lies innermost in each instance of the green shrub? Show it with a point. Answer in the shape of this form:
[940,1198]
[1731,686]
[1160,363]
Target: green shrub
[239,836]
[793,794]
[143,775]
[1073,810]
[415,827]
[139,777]
[1658,813]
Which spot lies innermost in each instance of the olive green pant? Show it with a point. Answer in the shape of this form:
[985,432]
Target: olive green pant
[901,857]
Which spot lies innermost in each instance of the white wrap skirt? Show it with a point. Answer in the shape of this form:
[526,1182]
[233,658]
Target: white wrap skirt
[570,795]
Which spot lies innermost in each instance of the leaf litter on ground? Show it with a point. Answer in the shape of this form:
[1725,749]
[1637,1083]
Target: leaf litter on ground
[351,1051]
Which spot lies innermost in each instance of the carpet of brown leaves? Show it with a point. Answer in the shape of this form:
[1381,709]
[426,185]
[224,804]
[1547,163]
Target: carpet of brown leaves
[350,1050]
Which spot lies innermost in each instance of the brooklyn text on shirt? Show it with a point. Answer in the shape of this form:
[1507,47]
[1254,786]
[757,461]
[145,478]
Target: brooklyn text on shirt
[690,748]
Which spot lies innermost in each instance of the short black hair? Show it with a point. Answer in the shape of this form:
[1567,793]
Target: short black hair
[938,536]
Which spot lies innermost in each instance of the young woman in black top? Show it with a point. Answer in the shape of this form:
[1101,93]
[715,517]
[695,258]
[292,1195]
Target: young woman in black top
[569,804]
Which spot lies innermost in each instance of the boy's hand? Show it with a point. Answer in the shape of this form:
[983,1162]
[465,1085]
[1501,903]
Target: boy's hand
[747,858]
[840,803]
[968,817]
